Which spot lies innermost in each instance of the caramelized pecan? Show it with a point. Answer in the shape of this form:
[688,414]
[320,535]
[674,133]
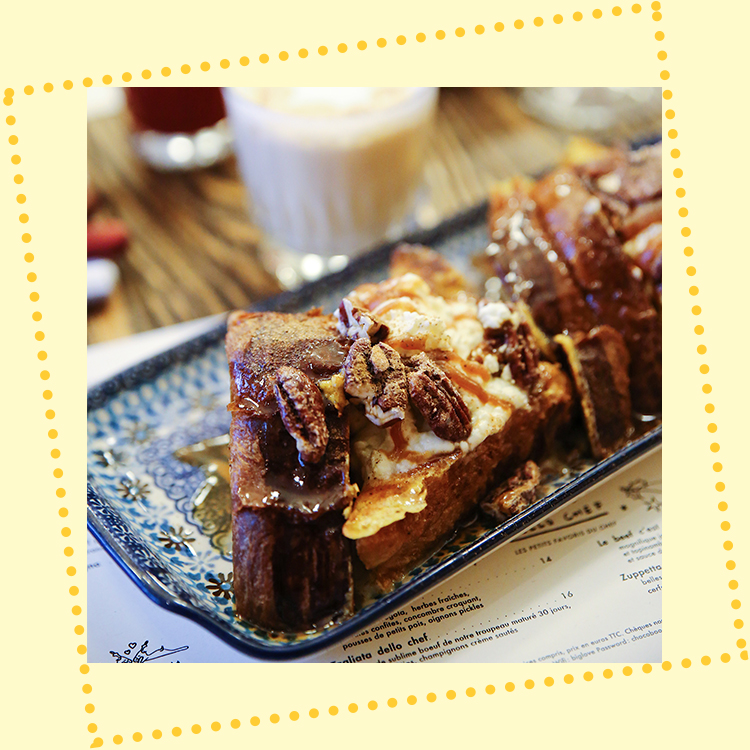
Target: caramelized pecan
[513,343]
[302,412]
[437,400]
[355,322]
[521,354]
[376,375]
[513,495]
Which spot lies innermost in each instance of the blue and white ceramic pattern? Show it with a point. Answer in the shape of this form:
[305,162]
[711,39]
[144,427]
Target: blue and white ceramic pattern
[158,495]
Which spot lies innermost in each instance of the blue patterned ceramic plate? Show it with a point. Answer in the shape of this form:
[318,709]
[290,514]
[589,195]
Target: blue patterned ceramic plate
[158,498]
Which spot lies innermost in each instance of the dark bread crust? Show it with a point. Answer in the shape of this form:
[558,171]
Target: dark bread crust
[598,362]
[287,575]
[292,566]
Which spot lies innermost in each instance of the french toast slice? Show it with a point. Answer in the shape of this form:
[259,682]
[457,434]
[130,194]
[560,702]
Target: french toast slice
[480,402]
[399,522]
[289,471]
[435,399]
[613,286]
[522,255]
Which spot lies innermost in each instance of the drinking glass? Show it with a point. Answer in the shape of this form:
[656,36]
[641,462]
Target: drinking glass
[329,172]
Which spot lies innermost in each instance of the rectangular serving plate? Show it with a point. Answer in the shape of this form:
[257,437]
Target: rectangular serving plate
[157,495]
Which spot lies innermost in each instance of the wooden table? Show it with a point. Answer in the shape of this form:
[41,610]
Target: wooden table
[193,249]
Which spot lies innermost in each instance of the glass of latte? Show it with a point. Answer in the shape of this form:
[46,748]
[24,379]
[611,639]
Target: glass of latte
[330,172]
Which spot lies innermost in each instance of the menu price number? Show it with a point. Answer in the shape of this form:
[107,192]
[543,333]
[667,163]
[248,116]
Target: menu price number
[523,550]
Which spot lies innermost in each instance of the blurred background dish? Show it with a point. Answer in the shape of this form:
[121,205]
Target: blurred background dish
[592,110]
[192,247]
[178,128]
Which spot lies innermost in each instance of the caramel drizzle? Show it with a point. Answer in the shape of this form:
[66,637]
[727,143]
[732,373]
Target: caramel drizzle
[461,379]
[400,445]
[397,435]
[471,368]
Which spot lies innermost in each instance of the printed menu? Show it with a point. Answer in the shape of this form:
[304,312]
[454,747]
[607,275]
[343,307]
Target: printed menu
[583,585]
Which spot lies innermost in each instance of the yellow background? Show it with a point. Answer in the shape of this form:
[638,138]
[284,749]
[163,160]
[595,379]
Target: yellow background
[43,697]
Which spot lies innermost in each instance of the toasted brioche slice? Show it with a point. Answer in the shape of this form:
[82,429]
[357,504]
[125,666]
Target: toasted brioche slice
[479,403]
[432,499]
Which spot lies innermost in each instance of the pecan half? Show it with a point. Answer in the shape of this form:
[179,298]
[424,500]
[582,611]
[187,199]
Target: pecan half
[521,354]
[513,344]
[436,398]
[302,412]
[376,376]
[515,494]
[357,323]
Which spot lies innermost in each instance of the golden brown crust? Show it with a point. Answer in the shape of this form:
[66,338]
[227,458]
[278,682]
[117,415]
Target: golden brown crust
[454,485]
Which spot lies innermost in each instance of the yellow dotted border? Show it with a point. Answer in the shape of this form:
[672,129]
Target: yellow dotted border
[362,45]
[699,330]
[411,700]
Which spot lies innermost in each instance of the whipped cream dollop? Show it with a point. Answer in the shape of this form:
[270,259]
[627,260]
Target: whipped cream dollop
[492,315]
